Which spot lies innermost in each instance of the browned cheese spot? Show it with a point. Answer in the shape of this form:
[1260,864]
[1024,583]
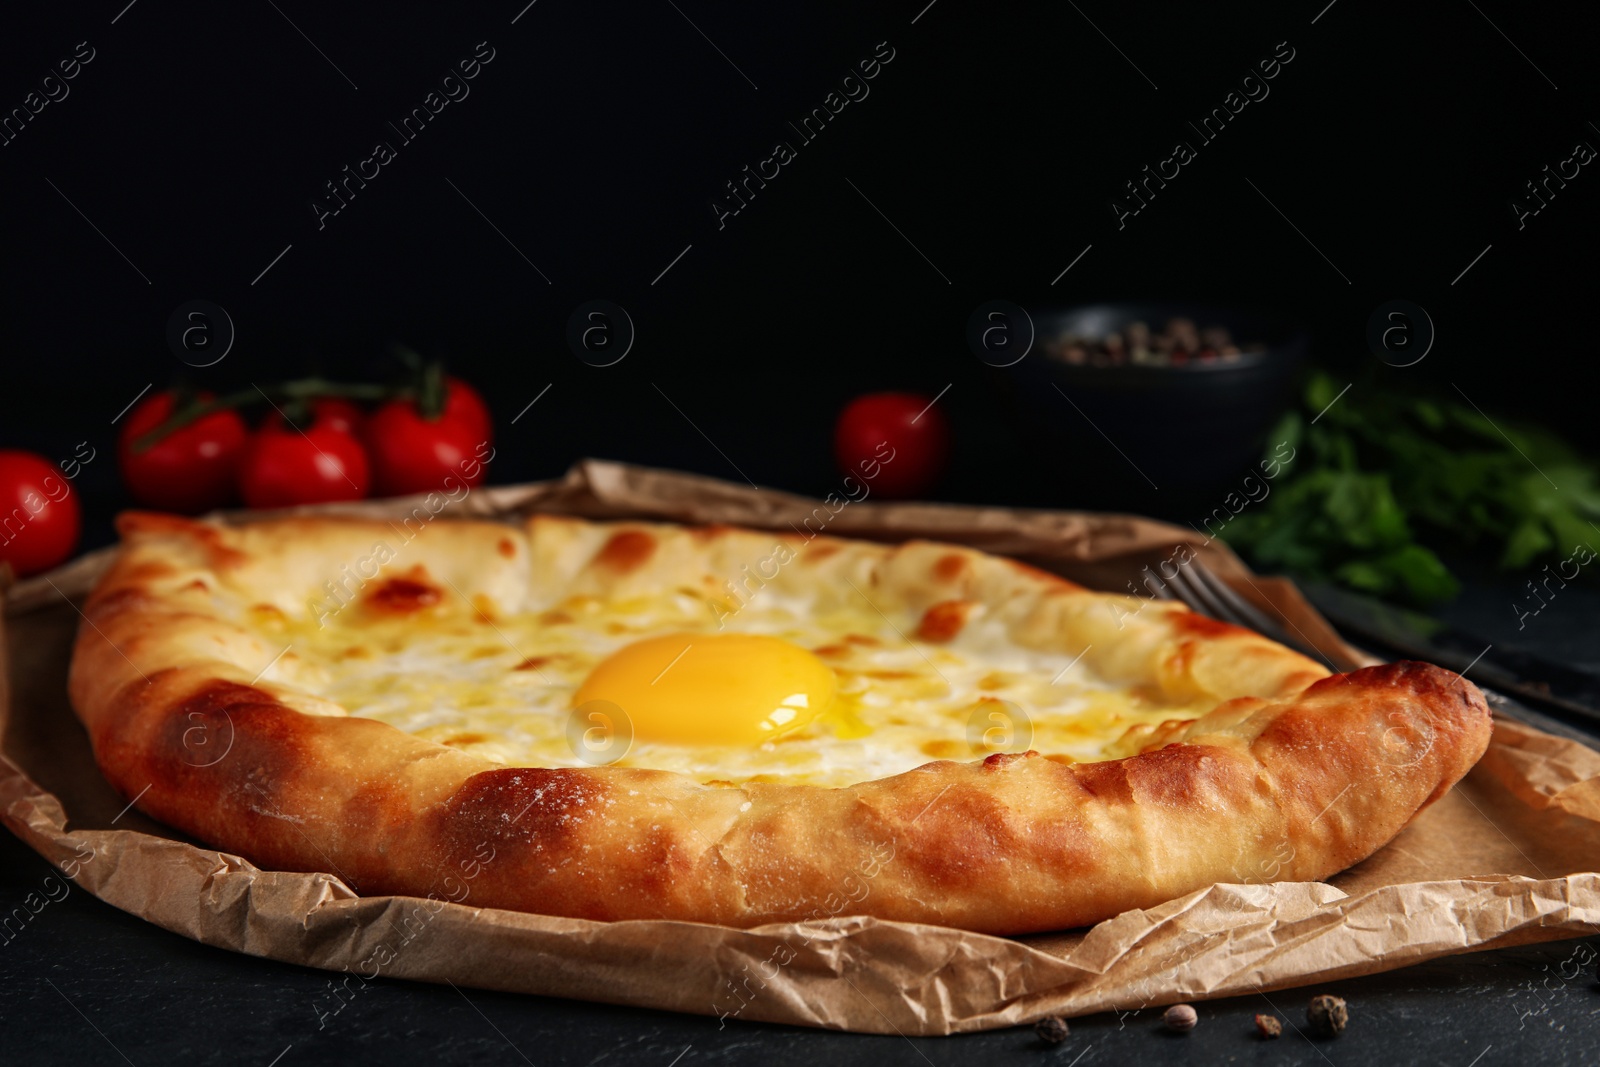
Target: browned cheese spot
[710,532]
[466,739]
[627,551]
[950,567]
[403,595]
[483,607]
[943,621]
[1189,622]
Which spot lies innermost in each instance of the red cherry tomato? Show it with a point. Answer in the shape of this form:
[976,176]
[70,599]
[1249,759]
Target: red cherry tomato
[338,413]
[465,404]
[190,470]
[896,443]
[39,517]
[412,454]
[284,466]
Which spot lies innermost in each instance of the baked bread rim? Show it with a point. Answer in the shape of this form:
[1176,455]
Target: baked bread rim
[1295,775]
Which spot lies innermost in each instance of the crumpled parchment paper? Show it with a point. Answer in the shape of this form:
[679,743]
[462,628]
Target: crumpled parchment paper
[1510,856]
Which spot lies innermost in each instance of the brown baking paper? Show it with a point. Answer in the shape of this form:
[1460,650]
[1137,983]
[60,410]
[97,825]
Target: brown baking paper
[1508,857]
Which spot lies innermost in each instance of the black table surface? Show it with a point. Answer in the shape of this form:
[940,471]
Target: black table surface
[85,983]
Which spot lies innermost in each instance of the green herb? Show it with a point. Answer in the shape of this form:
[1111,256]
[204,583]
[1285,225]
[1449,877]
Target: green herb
[1381,476]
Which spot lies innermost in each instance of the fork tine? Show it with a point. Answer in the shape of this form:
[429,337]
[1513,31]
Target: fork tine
[1252,616]
[1248,615]
[1198,597]
[1202,591]
[1163,591]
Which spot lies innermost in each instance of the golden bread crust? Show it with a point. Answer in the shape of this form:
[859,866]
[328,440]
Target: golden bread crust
[1296,774]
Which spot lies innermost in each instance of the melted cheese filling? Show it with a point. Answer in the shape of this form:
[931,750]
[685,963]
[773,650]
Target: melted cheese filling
[504,689]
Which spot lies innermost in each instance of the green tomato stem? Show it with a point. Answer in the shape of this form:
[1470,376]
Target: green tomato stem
[300,389]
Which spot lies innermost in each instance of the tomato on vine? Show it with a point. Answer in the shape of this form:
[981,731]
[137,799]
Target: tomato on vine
[189,470]
[285,466]
[412,453]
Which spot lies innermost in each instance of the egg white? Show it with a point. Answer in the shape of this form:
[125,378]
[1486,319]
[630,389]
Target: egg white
[503,688]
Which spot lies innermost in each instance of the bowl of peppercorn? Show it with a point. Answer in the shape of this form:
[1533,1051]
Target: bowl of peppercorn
[1159,408]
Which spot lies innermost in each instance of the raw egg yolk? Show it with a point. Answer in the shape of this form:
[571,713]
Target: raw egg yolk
[712,689]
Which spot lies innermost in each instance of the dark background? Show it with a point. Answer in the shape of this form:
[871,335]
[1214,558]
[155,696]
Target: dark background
[593,146]
[599,135]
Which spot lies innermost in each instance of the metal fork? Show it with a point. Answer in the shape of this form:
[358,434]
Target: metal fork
[1202,591]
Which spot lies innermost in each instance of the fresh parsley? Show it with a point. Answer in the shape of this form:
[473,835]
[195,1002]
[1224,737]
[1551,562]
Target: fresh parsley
[1381,476]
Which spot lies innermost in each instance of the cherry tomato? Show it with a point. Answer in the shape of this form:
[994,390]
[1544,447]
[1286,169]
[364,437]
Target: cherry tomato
[412,454]
[284,466]
[339,413]
[896,443]
[190,470]
[39,516]
[465,404]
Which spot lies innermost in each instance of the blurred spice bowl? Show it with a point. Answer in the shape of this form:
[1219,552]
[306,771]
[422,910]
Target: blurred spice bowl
[1153,407]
